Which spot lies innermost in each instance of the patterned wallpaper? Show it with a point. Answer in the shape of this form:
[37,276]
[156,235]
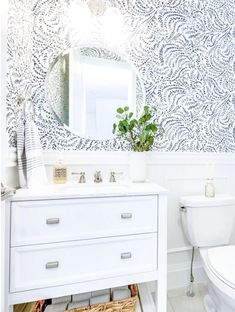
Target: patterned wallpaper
[183,49]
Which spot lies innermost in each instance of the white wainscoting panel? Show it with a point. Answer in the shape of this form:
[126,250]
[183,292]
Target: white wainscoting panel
[181,173]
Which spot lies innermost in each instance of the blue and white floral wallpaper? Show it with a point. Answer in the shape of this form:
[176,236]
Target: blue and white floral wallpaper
[183,49]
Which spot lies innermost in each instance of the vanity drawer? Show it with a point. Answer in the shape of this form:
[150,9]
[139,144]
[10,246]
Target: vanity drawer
[34,267]
[48,221]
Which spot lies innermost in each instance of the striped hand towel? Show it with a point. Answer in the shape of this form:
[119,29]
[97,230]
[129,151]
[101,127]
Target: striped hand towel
[29,153]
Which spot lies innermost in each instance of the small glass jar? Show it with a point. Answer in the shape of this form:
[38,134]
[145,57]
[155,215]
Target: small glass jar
[60,173]
[210,188]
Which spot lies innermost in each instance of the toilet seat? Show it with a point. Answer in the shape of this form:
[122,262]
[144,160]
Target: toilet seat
[218,278]
[222,262]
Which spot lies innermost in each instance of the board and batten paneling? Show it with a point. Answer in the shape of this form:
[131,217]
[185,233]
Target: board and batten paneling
[181,173]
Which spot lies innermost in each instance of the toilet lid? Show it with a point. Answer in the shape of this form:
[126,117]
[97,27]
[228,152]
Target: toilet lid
[222,261]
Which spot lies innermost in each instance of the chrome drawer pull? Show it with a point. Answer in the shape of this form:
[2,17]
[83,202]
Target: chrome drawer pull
[52,265]
[126,215]
[53,221]
[126,255]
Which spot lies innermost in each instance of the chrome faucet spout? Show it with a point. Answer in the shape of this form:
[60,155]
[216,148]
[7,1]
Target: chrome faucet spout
[97,177]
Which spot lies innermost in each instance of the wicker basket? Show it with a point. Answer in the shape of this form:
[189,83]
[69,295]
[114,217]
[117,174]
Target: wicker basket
[127,305]
[38,306]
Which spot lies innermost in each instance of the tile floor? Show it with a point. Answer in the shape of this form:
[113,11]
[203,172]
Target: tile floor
[179,302]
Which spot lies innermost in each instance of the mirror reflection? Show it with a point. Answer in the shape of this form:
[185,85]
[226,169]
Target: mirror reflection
[86,86]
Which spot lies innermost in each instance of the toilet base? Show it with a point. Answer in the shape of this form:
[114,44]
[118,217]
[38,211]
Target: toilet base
[216,301]
[209,304]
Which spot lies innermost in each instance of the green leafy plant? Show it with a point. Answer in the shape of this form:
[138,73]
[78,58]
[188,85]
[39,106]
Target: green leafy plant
[140,133]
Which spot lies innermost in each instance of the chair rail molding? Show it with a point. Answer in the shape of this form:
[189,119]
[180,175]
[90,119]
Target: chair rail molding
[122,158]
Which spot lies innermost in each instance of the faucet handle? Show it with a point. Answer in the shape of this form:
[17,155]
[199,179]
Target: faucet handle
[82,178]
[113,174]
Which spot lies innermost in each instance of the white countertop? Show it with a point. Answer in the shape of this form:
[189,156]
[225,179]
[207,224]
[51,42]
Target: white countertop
[53,191]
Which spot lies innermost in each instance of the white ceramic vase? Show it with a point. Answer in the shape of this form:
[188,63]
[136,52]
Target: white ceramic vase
[138,166]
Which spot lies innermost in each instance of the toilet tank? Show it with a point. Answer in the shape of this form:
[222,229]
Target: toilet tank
[208,221]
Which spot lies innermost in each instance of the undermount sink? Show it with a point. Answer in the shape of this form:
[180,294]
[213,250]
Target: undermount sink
[93,184]
[88,187]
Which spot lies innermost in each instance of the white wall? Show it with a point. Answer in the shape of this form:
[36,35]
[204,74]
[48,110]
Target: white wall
[3,139]
[180,173]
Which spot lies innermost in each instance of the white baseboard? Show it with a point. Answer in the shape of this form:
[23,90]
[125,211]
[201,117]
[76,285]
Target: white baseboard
[178,275]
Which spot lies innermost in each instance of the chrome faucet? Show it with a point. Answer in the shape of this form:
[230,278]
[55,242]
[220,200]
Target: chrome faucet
[97,177]
[113,178]
[82,178]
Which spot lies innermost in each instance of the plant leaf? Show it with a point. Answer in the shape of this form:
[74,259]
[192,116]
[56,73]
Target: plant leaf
[114,128]
[119,116]
[139,133]
[120,110]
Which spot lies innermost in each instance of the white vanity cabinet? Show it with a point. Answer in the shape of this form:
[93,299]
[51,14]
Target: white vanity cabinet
[70,243]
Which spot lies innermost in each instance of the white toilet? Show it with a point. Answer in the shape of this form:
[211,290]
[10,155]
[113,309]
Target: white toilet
[208,223]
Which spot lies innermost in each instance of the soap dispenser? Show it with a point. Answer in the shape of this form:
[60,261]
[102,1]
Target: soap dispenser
[60,173]
[209,186]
